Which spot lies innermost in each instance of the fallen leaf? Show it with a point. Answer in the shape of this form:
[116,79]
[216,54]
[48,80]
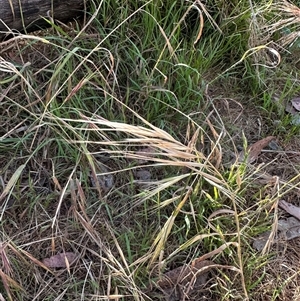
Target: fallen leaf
[289,208]
[293,107]
[186,277]
[105,179]
[61,260]
[260,241]
[290,228]
[290,109]
[183,274]
[296,119]
[287,229]
[286,224]
[296,103]
[143,175]
[255,149]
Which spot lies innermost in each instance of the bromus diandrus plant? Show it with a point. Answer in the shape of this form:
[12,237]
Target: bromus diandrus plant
[116,143]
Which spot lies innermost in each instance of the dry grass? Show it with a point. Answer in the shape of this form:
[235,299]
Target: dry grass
[121,158]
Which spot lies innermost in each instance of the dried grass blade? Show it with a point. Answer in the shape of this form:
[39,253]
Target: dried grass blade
[34,260]
[163,235]
[12,181]
[189,243]
[9,282]
[5,284]
[217,251]
[201,24]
